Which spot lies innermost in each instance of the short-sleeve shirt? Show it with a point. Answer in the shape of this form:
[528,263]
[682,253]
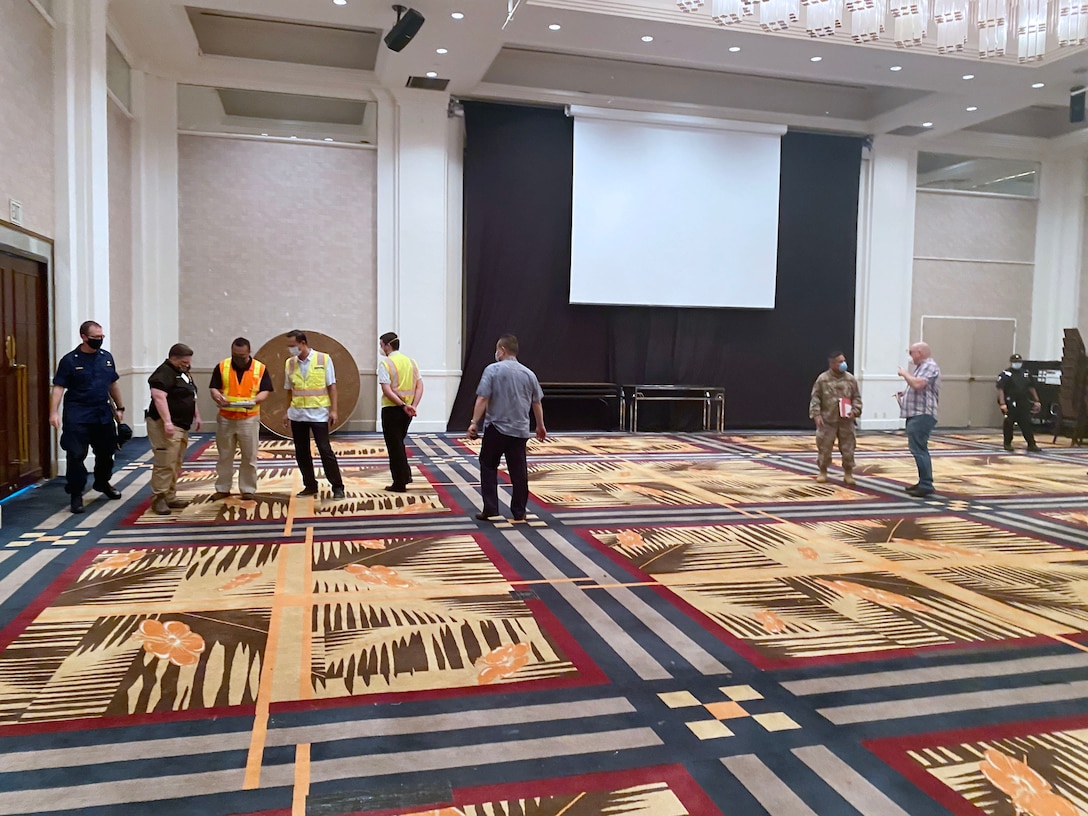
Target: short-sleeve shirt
[217,377]
[924,401]
[312,414]
[180,394]
[1016,385]
[87,379]
[510,389]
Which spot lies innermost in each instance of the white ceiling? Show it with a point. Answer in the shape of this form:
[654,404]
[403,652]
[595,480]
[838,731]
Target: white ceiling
[598,56]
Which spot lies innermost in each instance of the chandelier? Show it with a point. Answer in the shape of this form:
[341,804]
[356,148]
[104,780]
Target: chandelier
[910,22]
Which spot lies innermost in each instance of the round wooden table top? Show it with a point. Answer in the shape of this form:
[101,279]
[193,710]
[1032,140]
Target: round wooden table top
[274,355]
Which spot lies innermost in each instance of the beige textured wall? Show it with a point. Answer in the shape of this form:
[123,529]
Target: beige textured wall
[276,236]
[974,257]
[1082,310]
[26,115]
[119,137]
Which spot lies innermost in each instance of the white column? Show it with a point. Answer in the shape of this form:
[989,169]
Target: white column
[81,269]
[885,274]
[155,287]
[1058,237]
[419,242]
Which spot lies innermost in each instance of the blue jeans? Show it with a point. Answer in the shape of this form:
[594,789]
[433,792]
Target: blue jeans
[918,430]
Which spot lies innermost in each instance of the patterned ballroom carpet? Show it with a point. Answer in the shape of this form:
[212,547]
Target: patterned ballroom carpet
[686,624]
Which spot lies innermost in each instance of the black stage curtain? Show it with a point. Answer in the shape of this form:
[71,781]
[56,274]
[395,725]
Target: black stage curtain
[518,172]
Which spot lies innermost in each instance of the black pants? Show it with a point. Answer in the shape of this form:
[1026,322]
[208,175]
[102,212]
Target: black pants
[300,432]
[395,424]
[495,446]
[75,440]
[1019,413]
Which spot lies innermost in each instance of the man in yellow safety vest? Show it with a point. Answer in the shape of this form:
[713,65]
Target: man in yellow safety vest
[310,381]
[402,389]
[238,386]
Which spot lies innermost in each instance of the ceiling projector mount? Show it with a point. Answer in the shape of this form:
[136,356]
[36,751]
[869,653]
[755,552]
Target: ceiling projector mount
[409,21]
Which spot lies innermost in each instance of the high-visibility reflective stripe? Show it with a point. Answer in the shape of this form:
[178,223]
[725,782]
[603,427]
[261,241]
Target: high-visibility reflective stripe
[407,390]
[245,388]
[309,391]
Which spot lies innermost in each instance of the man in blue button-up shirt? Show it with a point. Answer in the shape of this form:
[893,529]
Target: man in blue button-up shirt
[86,379]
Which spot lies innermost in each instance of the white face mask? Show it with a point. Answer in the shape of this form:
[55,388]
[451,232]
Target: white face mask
[1016,366]
[498,359]
[293,351]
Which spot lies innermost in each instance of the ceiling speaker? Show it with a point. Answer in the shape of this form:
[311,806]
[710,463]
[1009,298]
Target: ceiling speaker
[409,21]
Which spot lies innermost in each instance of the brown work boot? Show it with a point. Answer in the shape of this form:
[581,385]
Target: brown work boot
[848,478]
[176,503]
[159,505]
[822,476]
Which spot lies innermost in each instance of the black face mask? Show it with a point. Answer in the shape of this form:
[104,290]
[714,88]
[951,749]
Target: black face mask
[95,342]
[240,362]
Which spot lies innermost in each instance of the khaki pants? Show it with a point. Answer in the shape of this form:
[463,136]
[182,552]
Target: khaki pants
[843,430]
[167,455]
[232,435]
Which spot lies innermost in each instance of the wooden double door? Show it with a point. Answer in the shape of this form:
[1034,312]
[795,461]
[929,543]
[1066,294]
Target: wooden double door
[24,373]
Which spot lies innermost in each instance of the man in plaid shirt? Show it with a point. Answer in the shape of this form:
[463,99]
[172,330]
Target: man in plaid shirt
[918,404]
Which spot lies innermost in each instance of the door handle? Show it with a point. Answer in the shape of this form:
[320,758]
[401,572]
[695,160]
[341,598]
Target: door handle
[22,386]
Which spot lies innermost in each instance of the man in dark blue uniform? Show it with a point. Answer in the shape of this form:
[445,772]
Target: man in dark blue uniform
[1018,400]
[86,378]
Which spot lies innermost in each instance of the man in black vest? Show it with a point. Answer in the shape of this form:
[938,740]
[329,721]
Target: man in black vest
[1018,400]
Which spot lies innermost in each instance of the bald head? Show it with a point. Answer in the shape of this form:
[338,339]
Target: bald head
[919,352]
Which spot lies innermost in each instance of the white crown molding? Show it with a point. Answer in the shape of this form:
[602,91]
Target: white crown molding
[990,145]
[279,77]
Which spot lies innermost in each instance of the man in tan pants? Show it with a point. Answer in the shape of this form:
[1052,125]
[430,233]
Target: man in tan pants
[172,412]
[238,386]
[834,405]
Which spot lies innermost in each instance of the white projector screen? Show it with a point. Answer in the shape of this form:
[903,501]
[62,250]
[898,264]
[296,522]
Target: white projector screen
[674,211]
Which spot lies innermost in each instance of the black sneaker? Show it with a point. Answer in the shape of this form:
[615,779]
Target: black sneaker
[1009,448]
[1034,449]
[397,489]
[77,504]
[307,491]
[338,493]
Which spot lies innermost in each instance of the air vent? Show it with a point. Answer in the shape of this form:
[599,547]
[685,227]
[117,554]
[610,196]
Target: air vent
[908,130]
[427,84]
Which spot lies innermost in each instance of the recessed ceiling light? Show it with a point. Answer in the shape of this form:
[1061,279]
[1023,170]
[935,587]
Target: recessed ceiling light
[968,76]
[294,137]
[647,38]
[432,74]
[927,124]
[896,68]
[441,51]
[1038,85]
[554,27]
[815,59]
[734,49]
[264,134]
[339,2]
[458,15]
[328,138]
[972,108]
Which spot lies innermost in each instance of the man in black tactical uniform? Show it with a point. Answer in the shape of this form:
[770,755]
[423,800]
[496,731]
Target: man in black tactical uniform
[1018,400]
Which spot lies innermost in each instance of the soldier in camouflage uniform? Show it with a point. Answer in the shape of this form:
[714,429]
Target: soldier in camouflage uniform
[831,386]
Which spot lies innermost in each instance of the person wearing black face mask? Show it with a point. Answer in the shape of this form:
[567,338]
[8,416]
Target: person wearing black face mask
[1018,400]
[239,385]
[172,412]
[86,379]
